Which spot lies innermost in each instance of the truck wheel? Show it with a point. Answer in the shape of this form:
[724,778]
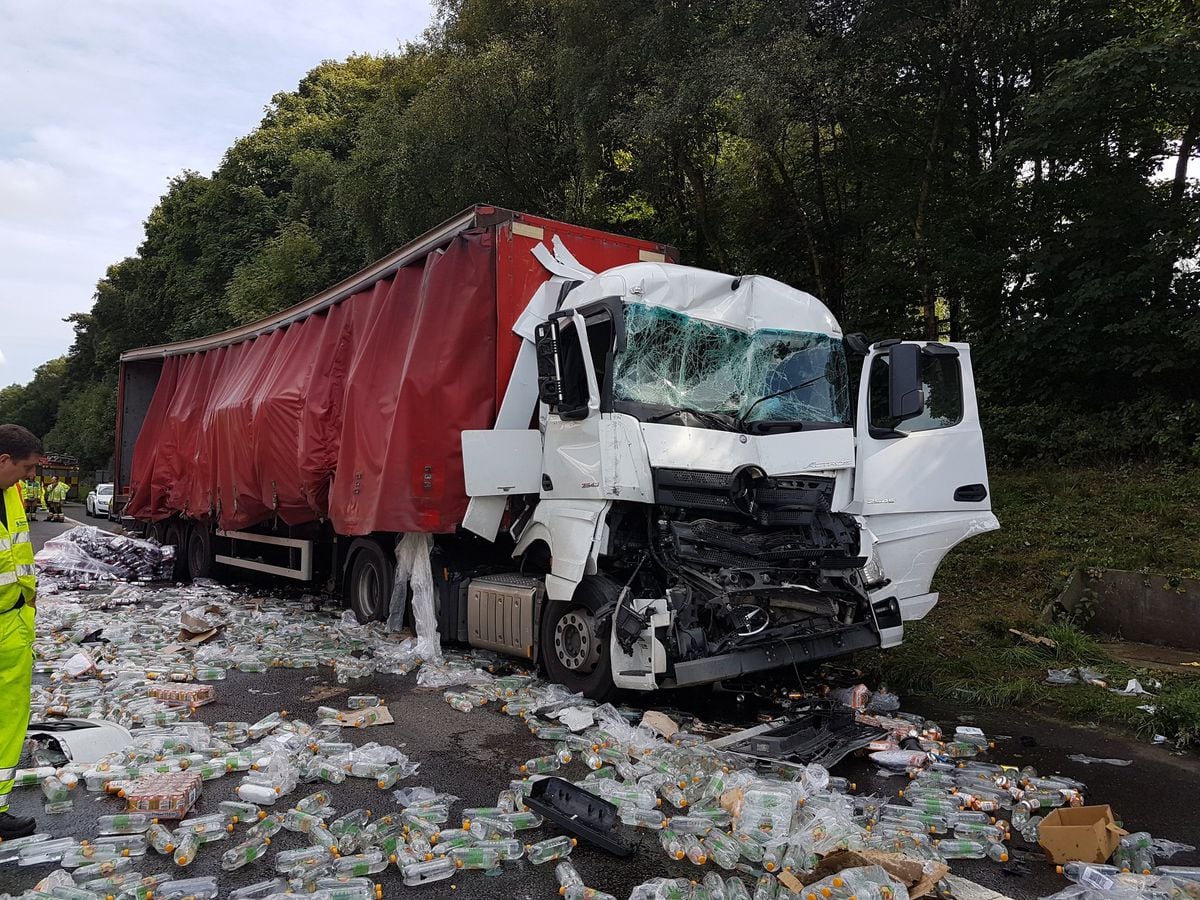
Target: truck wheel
[175,533]
[368,587]
[199,551]
[573,651]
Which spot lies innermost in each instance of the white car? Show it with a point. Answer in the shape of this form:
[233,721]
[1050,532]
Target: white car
[98,500]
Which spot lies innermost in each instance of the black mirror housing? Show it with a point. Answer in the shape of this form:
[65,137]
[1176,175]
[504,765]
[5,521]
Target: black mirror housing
[905,396]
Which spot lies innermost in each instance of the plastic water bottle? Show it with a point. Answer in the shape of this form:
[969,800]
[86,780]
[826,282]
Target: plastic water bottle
[508,848]
[695,851]
[245,853]
[123,823]
[259,890]
[482,858]
[550,849]
[566,875]
[642,818]
[188,889]
[715,885]
[417,874]
[960,849]
[360,864]
[996,852]
[722,849]
[187,845]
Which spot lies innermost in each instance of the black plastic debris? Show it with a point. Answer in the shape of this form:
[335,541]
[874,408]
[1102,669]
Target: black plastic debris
[579,813]
[824,733]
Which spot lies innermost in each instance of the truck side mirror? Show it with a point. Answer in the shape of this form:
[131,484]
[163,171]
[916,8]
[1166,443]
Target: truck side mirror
[905,397]
[549,375]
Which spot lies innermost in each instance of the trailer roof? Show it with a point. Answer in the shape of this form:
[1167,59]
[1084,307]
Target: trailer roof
[440,236]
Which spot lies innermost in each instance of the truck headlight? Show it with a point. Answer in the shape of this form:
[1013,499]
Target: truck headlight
[873,570]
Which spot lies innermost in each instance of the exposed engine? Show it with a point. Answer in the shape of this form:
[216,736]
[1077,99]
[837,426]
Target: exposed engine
[744,560]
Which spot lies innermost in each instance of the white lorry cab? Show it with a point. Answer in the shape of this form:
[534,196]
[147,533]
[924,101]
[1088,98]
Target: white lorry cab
[717,481]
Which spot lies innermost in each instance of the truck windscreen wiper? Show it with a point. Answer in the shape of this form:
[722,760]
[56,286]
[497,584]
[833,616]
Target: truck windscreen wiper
[722,420]
[740,422]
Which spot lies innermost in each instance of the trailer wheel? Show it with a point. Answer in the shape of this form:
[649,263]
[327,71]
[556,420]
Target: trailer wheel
[573,649]
[368,587]
[199,551]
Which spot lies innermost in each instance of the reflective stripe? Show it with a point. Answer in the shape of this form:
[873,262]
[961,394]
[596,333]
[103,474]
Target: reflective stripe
[8,577]
[8,774]
[26,570]
[5,544]
[21,537]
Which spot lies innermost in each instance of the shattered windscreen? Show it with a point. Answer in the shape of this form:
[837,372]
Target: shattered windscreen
[672,360]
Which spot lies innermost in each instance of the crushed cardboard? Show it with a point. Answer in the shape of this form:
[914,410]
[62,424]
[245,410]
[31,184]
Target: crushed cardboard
[356,718]
[919,877]
[660,723]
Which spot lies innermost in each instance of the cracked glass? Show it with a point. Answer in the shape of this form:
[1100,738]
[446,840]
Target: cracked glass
[672,360]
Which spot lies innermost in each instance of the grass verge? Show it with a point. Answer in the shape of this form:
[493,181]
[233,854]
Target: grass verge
[1052,522]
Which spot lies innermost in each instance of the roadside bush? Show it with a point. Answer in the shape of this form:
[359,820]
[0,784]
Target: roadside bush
[1157,429]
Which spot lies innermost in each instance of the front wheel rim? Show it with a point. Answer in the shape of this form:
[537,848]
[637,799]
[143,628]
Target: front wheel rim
[576,644]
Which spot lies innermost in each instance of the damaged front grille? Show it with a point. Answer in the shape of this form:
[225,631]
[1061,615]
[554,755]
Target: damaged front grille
[787,520]
[747,492]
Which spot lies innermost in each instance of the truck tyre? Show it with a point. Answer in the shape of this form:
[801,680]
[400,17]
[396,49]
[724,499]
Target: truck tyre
[572,648]
[175,533]
[368,584]
[199,551]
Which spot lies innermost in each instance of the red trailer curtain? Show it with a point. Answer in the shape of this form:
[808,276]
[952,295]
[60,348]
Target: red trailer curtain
[353,414]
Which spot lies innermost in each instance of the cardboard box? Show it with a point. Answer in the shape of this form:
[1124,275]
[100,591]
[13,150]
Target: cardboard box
[1085,833]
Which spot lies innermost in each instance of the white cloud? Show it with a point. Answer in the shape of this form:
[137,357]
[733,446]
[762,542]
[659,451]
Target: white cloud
[105,101]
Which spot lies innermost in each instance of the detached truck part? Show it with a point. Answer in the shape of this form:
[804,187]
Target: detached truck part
[637,474]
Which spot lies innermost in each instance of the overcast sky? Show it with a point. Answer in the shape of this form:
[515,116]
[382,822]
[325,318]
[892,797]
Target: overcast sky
[103,101]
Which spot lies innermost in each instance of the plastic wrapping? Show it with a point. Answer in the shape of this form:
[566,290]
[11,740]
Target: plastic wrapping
[413,570]
[93,553]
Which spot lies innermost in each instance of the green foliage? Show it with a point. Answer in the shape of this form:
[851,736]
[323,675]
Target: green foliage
[941,168]
[284,270]
[84,426]
[35,405]
[1053,521]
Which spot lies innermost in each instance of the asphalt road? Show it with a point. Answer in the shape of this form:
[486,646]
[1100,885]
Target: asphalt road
[474,755]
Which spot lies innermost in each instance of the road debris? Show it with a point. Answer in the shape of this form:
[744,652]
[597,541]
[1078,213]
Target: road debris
[758,825]
[1106,760]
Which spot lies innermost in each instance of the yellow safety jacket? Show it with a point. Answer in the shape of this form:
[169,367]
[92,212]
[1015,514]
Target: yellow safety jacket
[58,492]
[31,490]
[18,577]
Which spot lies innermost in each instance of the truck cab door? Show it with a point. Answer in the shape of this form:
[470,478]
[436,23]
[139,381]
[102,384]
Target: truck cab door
[921,481]
[571,401]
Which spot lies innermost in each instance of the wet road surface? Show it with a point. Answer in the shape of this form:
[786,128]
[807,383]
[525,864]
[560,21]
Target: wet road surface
[474,756]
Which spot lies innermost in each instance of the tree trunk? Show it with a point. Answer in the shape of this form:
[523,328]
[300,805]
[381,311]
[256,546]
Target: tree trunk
[924,275]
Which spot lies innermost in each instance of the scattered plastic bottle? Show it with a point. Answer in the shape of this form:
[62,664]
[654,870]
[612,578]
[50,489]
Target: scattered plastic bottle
[188,889]
[722,849]
[640,817]
[951,848]
[566,875]
[187,845]
[240,811]
[550,849]
[259,890]
[360,864]
[765,888]
[426,871]
[245,853]
[540,765]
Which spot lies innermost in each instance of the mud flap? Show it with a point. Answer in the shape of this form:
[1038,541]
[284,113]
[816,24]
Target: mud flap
[638,668]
